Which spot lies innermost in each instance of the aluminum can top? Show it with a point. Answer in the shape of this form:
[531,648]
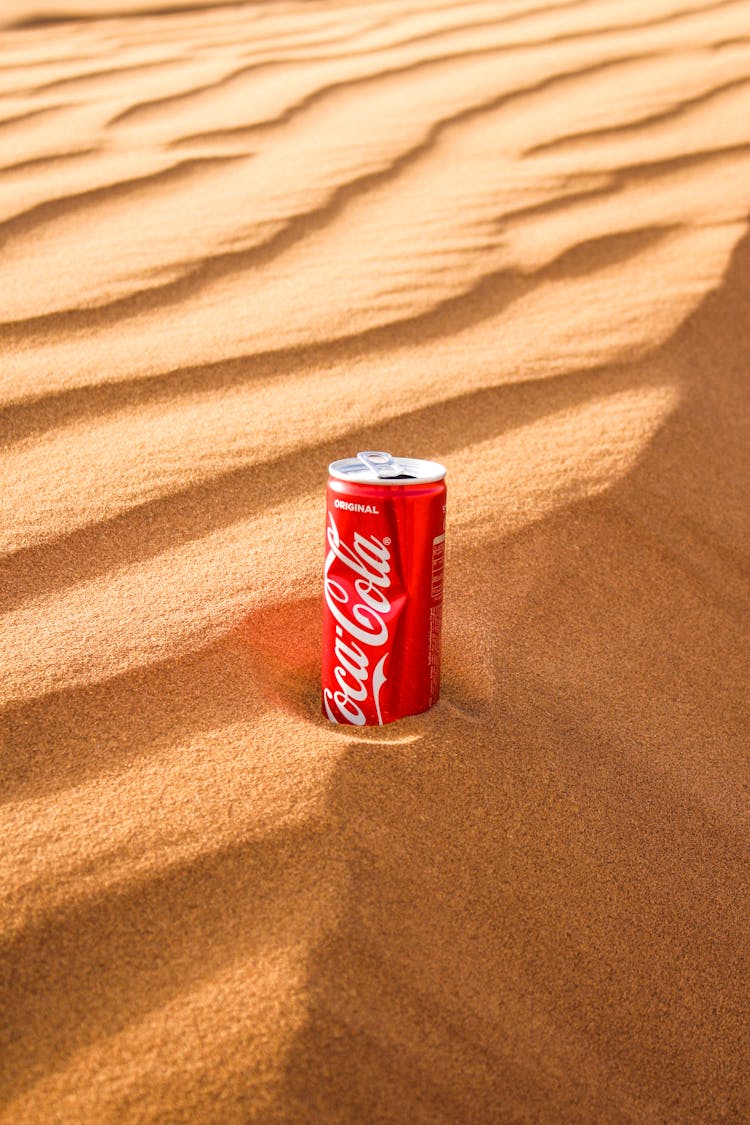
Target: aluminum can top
[377,467]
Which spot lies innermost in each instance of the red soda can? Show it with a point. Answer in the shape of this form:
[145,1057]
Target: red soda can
[383,588]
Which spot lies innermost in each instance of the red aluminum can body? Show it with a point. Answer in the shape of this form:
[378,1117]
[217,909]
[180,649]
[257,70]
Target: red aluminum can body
[383,598]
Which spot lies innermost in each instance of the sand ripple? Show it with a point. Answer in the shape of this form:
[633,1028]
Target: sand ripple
[239,240]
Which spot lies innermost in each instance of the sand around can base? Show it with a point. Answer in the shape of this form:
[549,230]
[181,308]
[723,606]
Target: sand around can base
[239,241]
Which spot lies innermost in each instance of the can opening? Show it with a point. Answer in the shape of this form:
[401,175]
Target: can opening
[384,465]
[381,468]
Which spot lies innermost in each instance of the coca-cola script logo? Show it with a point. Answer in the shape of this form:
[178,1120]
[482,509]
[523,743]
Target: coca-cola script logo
[360,616]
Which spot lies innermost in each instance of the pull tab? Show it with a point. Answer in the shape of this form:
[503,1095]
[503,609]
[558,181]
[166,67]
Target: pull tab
[382,464]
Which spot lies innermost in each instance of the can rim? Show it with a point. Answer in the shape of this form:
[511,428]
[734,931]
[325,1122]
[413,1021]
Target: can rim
[355,472]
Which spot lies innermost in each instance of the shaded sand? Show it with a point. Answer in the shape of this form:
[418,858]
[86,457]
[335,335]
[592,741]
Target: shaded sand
[241,240]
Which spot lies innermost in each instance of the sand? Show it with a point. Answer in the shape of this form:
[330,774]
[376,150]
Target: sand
[239,241]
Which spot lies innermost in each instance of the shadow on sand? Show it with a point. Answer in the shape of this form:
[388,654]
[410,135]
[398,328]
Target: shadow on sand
[544,915]
[542,884]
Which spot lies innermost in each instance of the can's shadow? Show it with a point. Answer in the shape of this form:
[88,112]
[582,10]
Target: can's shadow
[283,643]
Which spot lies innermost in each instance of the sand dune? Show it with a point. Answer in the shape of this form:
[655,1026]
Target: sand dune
[240,240]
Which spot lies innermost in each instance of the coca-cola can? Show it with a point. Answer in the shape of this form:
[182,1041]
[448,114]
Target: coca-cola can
[383,588]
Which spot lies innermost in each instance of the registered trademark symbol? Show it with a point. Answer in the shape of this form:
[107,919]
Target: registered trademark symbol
[387,540]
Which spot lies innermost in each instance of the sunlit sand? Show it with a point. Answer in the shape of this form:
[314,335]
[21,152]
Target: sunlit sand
[239,241]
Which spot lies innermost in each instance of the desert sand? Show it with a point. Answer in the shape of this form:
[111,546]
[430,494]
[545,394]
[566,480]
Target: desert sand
[239,241]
